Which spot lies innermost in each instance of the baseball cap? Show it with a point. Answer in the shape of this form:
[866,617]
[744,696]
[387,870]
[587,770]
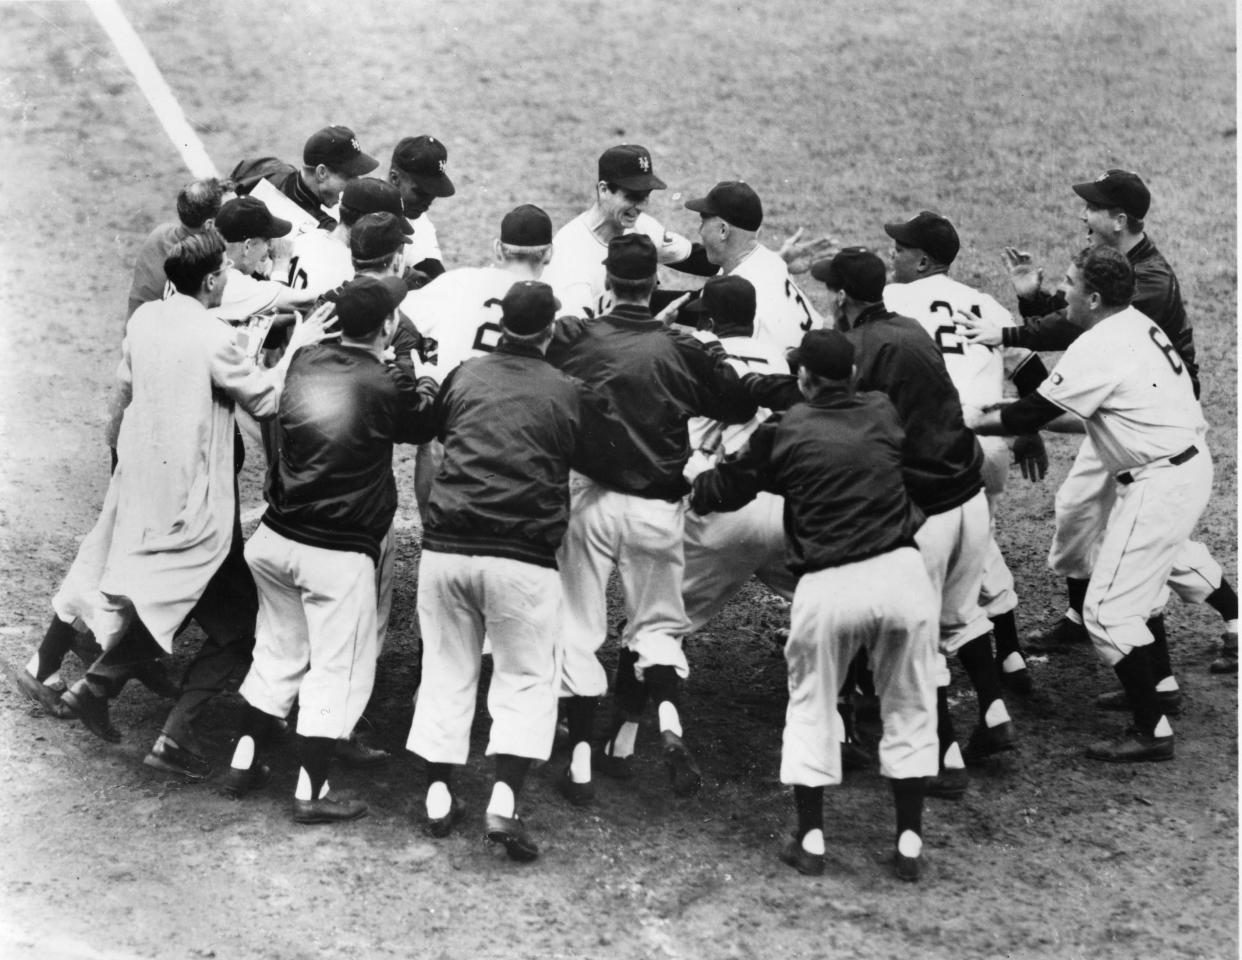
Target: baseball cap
[372,195]
[247,217]
[629,167]
[364,303]
[732,201]
[856,270]
[825,353]
[526,226]
[424,159]
[1117,188]
[337,148]
[929,232]
[631,256]
[728,300]
[377,235]
[528,307]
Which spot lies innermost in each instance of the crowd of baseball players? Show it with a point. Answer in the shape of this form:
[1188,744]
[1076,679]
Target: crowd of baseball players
[577,418]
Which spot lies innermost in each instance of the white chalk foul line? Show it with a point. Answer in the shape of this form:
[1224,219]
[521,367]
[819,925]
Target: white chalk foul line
[134,52]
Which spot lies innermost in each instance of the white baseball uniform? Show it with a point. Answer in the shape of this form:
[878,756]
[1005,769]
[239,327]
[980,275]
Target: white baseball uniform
[1129,385]
[978,372]
[723,550]
[426,245]
[245,296]
[319,262]
[576,270]
[782,311]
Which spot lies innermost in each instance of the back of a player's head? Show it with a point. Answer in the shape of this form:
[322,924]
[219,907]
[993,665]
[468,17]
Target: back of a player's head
[527,311]
[526,235]
[375,240]
[1106,271]
[729,302]
[192,259]
[825,354]
[363,304]
[198,201]
[856,271]
[364,195]
[631,267]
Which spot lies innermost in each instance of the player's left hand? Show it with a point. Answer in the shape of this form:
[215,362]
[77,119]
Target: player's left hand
[977,330]
[799,256]
[1031,456]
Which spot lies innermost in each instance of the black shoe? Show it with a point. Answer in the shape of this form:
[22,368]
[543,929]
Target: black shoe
[327,810]
[619,768]
[1170,701]
[42,694]
[810,864]
[906,868]
[683,772]
[512,833]
[153,675]
[949,784]
[1132,746]
[168,756]
[440,827]
[1019,681]
[579,794]
[1064,635]
[352,752]
[1227,662]
[988,741]
[237,783]
[92,710]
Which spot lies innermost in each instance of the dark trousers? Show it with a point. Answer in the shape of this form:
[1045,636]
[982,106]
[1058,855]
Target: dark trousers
[226,613]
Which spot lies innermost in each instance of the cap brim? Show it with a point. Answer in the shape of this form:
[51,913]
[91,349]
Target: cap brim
[407,228]
[358,165]
[701,205]
[647,181]
[438,186]
[1091,192]
[278,228]
[794,357]
[901,233]
[822,269]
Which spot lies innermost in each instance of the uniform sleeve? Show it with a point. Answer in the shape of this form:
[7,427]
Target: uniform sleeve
[721,394]
[696,264]
[1044,325]
[738,480]
[1081,383]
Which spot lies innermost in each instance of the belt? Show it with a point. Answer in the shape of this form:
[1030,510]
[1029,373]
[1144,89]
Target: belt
[1177,460]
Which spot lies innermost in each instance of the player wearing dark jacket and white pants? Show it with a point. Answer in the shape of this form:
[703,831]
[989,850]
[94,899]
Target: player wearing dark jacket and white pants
[627,510]
[849,523]
[512,427]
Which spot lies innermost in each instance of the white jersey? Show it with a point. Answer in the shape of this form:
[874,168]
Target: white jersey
[710,440]
[782,311]
[460,311]
[978,371]
[577,267]
[1129,384]
[245,296]
[425,245]
[319,263]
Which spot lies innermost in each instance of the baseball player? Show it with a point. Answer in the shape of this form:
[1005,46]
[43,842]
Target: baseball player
[167,545]
[837,459]
[1124,383]
[331,500]
[731,215]
[924,248]
[512,427]
[248,229]
[896,356]
[622,192]
[627,507]
[330,159]
[418,171]
[458,314]
[1116,204]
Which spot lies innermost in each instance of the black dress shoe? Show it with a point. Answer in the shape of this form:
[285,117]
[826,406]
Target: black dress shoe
[327,810]
[42,694]
[92,710]
[443,826]
[168,756]
[683,772]
[619,768]
[579,794]
[511,832]
[906,868]
[1133,746]
[237,783]
[810,864]
[354,753]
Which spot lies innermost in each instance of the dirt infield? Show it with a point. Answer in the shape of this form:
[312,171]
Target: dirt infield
[842,115]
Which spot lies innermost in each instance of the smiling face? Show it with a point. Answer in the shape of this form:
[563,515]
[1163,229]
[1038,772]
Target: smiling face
[621,207]
[414,198]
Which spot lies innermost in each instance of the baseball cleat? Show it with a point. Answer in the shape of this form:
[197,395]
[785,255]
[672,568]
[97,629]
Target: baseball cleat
[1014,674]
[168,756]
[809,864]
[1170,701]
[237,783]
[327,810]
[988,741]
[579,794]
[683,772]
[1227,662]
[619,768]
[41,694]
[949,784]
[1132,746]
[92,710]
[906,868]
[352,752]
[442,826]
[1064,635]
[511,832]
